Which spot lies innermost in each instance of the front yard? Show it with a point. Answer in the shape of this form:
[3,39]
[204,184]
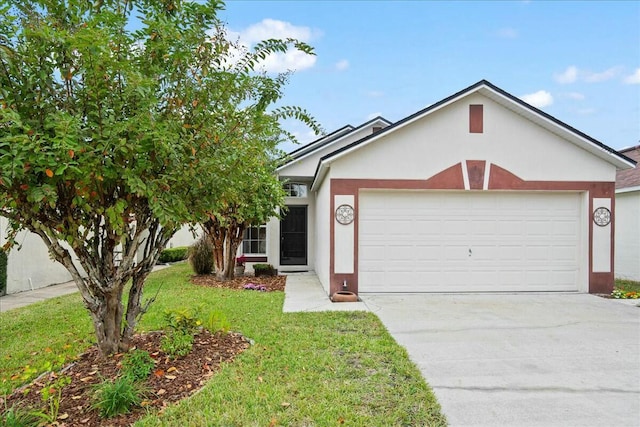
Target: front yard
[303,369]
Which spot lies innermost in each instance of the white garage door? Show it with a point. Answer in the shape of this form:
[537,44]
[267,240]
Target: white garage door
[469,242]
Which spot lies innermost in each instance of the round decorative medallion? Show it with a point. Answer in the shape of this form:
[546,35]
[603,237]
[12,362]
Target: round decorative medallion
[344,214]
[602,216]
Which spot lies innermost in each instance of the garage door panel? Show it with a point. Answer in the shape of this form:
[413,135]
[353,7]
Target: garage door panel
[453,242]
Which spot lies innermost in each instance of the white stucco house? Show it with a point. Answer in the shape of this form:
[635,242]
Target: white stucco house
[627,255]
[479,192]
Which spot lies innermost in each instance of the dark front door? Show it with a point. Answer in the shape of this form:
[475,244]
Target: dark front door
[293,236]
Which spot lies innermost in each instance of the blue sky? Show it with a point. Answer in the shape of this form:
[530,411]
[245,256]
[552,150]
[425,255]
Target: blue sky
[578,61]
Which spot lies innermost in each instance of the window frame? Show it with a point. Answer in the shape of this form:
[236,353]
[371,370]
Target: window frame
[248,241]
[292,187]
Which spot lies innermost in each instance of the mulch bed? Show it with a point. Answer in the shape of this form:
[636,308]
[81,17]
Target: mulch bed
[170,381]
[272,283]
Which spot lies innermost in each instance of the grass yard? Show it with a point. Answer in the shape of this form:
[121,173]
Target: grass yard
[304,369]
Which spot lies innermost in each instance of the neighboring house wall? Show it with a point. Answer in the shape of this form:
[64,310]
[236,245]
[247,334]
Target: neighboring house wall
[627,255]
[29,264]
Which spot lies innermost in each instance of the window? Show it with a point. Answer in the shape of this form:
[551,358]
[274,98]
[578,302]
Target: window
[295,190]
[255,240]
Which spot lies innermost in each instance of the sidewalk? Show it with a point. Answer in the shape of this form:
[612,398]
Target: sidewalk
[21,299]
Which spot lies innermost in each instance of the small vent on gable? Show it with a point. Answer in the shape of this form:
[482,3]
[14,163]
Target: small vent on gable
[376,129]
[475,119]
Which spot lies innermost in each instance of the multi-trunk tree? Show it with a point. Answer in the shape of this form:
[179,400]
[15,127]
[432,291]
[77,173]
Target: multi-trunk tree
[115,131]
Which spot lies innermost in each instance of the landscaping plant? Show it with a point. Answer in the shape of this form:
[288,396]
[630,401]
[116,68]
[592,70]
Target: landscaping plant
[201,256]
[137,364]
[118,396]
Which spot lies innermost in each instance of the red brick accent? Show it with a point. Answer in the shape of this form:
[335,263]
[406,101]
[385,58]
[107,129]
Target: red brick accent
[476,121]
[475,172]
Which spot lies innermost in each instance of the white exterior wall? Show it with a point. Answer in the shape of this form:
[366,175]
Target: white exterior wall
[184,237]
[306,165]
[322,231]
[627,250]
[30,267]
[443,140]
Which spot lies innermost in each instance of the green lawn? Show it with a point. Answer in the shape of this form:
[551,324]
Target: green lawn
[304,369]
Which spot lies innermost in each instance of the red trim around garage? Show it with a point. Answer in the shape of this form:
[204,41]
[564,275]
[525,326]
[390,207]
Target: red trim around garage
[451,179]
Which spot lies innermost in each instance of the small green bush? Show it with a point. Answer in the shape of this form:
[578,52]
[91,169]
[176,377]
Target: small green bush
[3,272]
[174,254]
[263,270]
[117,397]
[217,321]
[176,343]
[201,256]
[183,320]
[137,365]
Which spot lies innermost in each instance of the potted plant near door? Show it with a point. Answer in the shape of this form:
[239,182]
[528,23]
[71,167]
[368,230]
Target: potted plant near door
[239,269]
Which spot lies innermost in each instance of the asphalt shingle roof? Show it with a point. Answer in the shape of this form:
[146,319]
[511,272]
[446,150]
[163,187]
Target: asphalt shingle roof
[629,177]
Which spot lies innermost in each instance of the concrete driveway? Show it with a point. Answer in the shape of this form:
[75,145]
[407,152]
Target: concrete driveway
[522,360]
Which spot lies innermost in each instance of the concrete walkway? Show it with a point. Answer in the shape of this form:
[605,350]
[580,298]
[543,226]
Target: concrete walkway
[304,292]
[21,299]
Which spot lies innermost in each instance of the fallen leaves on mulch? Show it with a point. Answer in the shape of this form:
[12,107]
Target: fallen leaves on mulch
[273,283]
[170,381]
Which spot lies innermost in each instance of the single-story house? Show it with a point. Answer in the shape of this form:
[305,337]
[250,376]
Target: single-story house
[479,192]
[627,255]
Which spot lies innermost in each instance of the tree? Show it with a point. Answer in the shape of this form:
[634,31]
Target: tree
[111,138]
[254,195]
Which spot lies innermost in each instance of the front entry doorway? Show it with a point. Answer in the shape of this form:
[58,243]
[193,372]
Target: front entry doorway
[293,236]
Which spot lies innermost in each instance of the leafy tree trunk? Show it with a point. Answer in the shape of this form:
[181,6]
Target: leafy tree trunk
[103,282]
[217,234]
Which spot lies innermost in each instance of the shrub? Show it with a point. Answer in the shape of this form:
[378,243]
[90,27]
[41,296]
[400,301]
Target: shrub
[217,322]
[174,254]
[201,256]
[263,270]
[117,396]
[176,343]
[18,417]
[137,365]
[3,272]
[183,320]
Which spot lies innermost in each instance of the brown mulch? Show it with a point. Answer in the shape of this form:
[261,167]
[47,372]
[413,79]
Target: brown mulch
[273,283]
[170,381]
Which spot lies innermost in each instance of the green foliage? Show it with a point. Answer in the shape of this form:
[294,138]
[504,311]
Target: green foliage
[183,320]
[110,132]
[217,321]
[177,343]
[201,256]
[3,272]
[18,417]
[137,365]
[118,396]
[263,270]
[50,395]
[174,254]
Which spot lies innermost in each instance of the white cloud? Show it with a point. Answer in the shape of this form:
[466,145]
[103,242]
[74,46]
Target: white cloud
[633,79]
[342,65]
[607,74]
[577,96]
[274,29]
[539,99]
[375,94]
[569,75]
[374,115]
[508,33]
